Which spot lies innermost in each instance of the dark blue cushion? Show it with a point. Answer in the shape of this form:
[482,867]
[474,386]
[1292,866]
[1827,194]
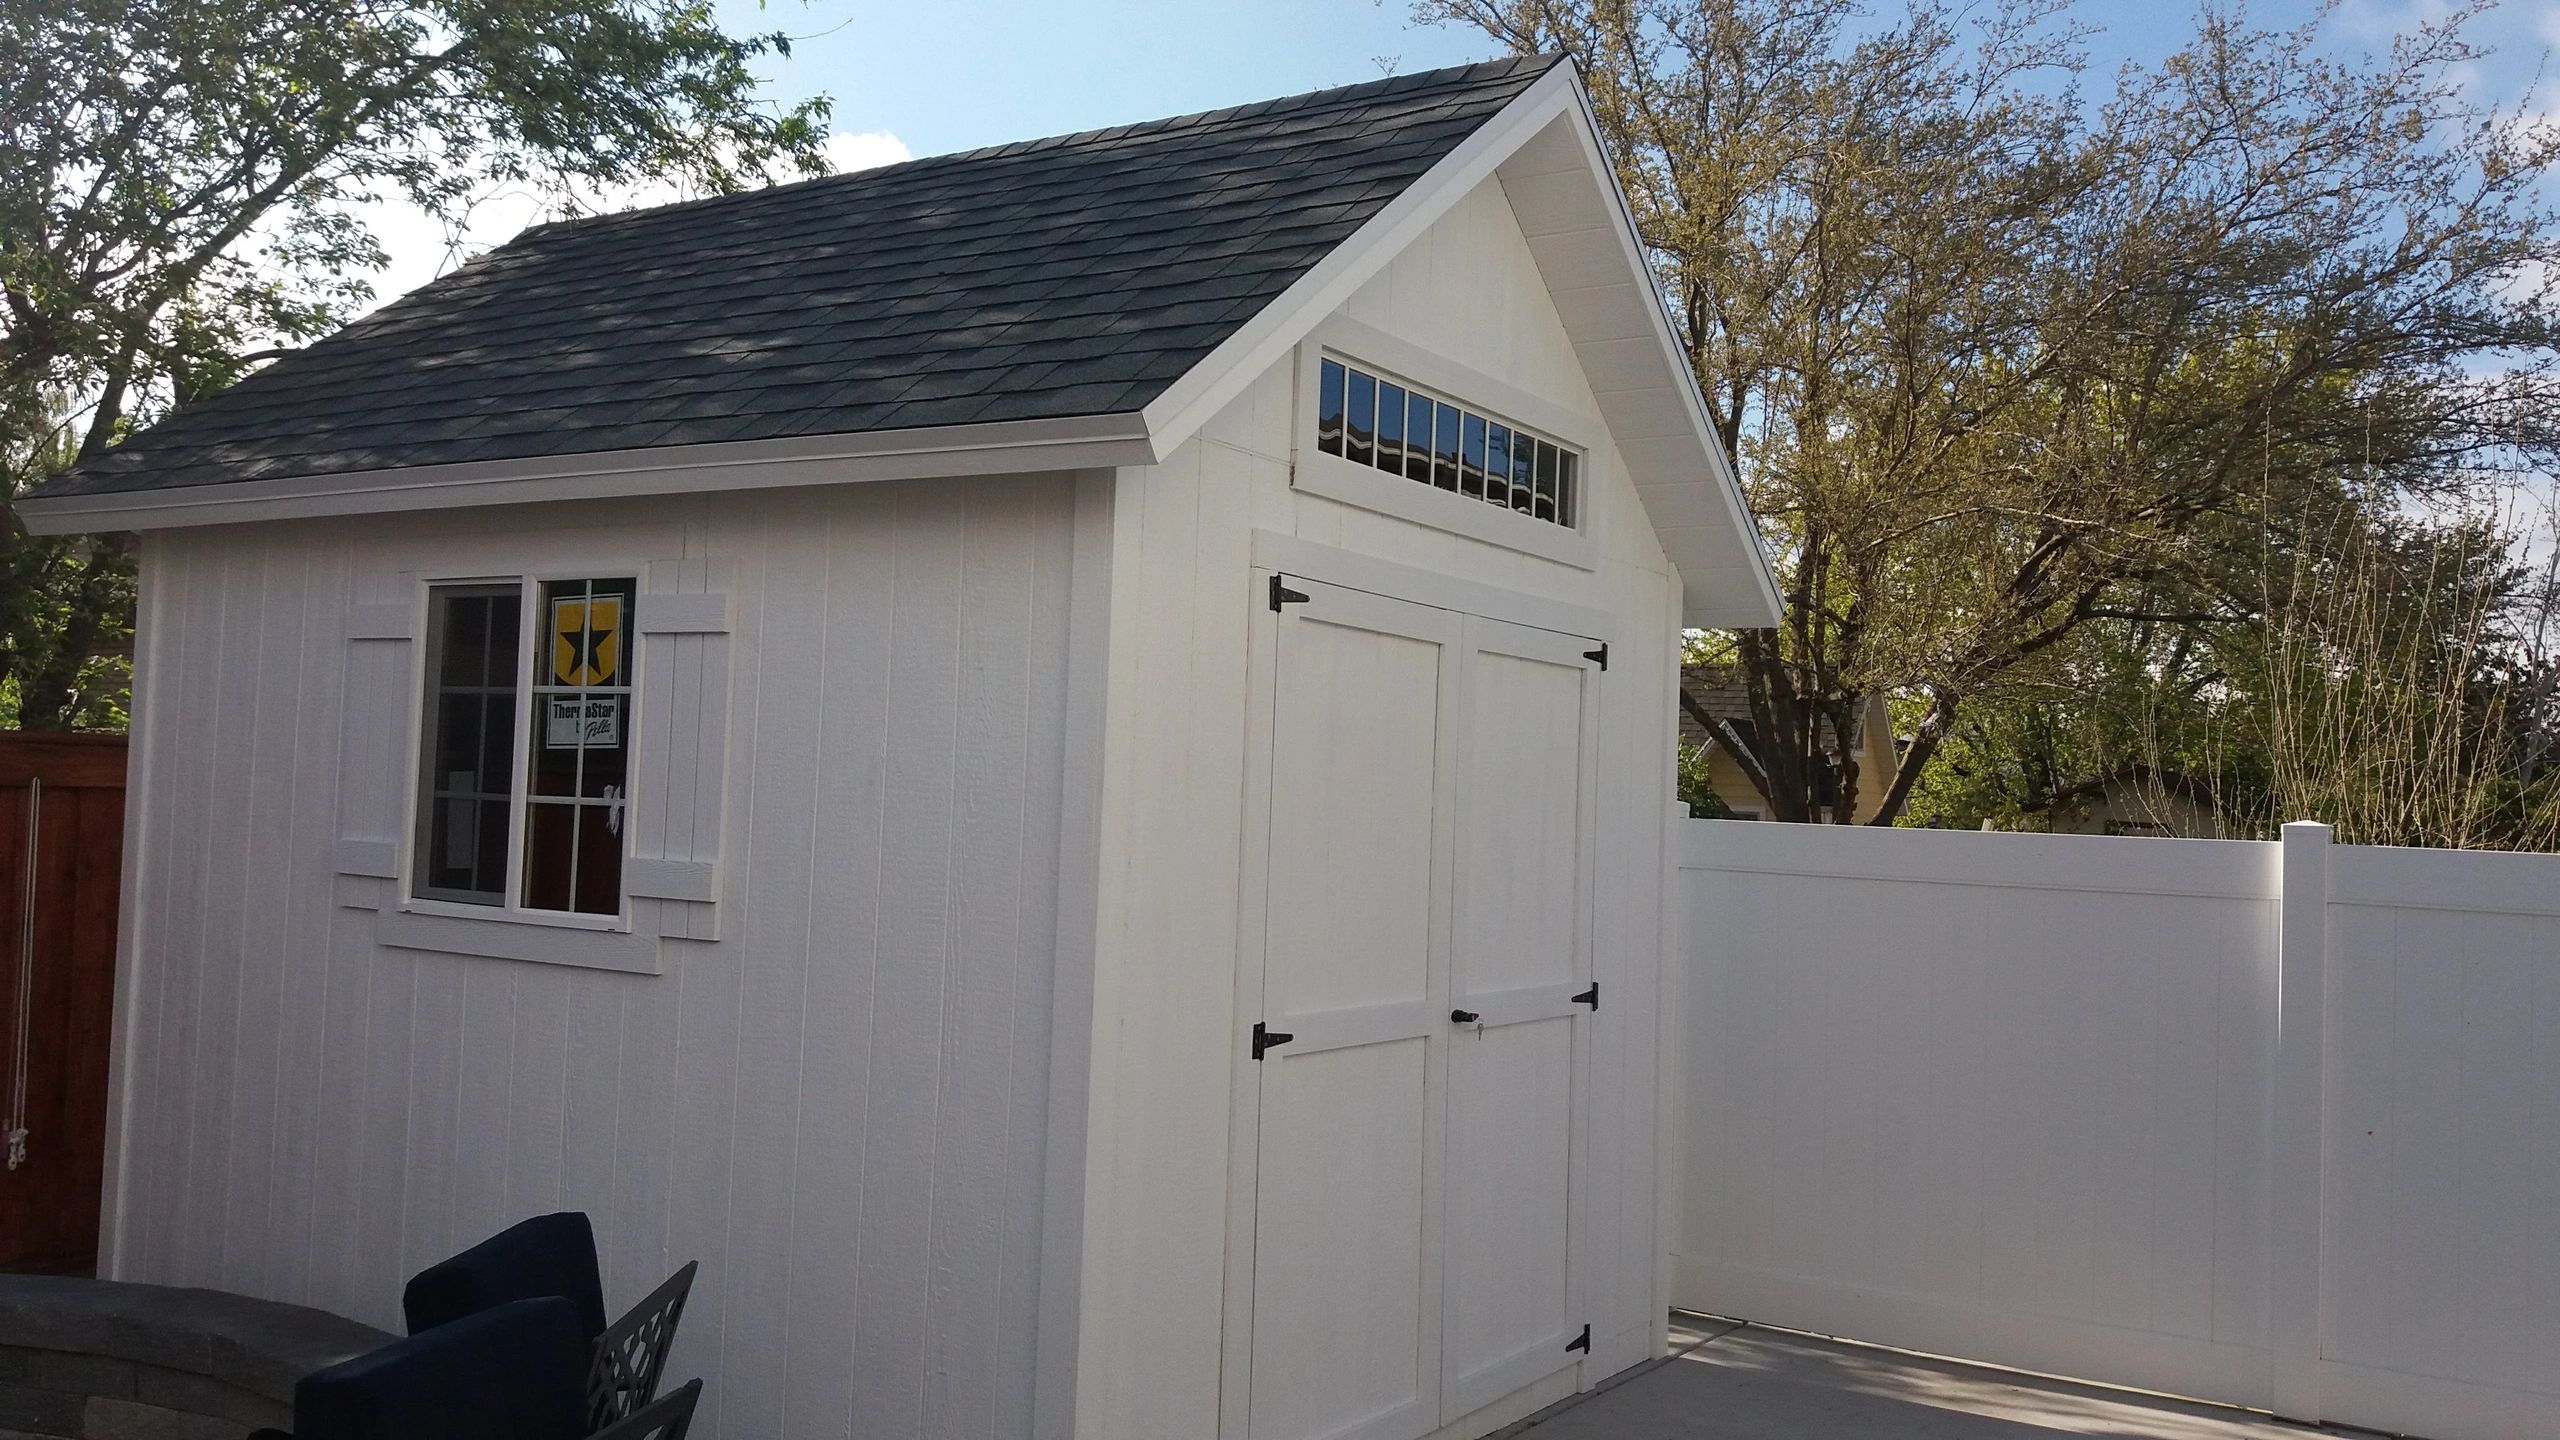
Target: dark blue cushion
[546,1255]
[518,1371]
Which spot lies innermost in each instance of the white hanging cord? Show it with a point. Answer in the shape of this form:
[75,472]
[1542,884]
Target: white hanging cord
[23,1011]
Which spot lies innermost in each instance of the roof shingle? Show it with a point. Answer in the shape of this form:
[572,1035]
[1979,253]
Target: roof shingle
[1072,276]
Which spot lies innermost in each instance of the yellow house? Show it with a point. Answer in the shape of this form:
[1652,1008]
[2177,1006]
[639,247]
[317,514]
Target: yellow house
[1715,712]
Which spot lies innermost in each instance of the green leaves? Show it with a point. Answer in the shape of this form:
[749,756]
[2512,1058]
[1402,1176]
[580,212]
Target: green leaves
[2003,360]
[184,185]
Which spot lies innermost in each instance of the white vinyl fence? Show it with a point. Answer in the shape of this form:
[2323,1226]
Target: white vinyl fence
[2272,1124]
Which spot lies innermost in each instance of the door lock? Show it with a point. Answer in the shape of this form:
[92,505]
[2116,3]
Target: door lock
[1463,1017]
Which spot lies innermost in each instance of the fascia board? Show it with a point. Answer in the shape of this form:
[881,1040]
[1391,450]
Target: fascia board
[1016,447]
[1728,485]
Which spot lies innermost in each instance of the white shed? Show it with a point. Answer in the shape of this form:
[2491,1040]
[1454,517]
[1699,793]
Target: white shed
[1054,760]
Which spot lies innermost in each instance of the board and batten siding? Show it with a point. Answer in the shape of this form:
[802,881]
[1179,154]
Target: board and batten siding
[1180,609]
[840,1106]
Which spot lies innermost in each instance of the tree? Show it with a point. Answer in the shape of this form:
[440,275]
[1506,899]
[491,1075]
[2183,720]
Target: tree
[183,188]
[2000,365]
[2398,685]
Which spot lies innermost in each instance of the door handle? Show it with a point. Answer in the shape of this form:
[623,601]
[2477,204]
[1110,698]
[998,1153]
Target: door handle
[1463,1017]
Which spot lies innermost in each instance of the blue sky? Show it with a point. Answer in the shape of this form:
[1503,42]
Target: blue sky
[961,73]
[925,77]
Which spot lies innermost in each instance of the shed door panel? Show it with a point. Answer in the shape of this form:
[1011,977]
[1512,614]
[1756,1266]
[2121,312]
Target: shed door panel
[1345,1339]
[1516,1074]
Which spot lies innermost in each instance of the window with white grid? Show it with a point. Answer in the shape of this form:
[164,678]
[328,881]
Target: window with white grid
[1368,419]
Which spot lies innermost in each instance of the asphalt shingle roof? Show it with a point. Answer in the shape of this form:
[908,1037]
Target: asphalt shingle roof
[1073,276]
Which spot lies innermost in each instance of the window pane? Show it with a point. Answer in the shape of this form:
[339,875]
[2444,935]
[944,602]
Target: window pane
[468,743]
[1363,425]
[465,652]
[573,857]
[550,855]
[1329,407]
[579,748]
[1444,450]
[1497,465]
[1471,473]
[1564,488]
[1390,427]
[1417,439]
[1524,471]
[1546,481]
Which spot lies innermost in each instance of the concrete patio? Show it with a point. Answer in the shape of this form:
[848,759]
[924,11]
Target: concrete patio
[1727,1381]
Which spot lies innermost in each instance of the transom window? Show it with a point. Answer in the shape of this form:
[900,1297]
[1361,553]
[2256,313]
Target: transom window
[1371,420]
[541,670]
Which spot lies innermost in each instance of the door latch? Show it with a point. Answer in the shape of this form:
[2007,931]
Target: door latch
[1464,1017]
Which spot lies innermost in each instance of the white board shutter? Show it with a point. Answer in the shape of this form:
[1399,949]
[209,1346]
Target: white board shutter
[682,730]
[373,739]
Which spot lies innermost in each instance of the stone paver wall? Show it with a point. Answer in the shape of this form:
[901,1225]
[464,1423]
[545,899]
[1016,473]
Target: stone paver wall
[101,1360]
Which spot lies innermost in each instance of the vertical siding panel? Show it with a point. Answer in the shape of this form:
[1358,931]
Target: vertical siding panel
[226,798]
[644,1141]
[711,982]
[170,597]
[1035,959]
[304,1041]
[375,1273]
[591,1060]
[248,1202]
[907,1016]
[964,1288]
[484,1101]
[428,1176]
[538,1094]
[848,843]
[776,940]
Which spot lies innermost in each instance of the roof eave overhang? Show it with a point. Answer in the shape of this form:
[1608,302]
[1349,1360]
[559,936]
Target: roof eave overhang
[1094,442]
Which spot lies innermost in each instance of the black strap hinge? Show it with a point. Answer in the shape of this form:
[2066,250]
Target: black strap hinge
[1590,997]
[1599,657]
[1283,595]
[1265,1038]
[1581,1342]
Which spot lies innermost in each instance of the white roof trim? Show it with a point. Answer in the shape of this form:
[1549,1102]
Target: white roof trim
[1014,447]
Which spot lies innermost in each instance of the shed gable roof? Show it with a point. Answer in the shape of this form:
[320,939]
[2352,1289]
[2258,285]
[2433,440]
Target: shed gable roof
[1082,302]
[1048,279]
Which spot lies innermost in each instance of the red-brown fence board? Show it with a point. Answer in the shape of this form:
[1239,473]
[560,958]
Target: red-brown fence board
[65,932]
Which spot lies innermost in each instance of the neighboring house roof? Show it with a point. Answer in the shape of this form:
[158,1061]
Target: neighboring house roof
[2136,779]
[1074,276]
[1083,302]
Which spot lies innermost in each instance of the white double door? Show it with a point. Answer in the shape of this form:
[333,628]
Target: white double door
[1413,1128]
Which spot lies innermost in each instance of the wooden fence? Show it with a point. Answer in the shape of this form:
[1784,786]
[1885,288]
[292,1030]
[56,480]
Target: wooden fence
[61,864]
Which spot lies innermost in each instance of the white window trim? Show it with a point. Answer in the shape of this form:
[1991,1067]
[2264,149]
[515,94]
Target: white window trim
[529,585]
[1334,478]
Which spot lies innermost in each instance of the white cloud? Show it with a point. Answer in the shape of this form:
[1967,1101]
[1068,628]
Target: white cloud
[865,150]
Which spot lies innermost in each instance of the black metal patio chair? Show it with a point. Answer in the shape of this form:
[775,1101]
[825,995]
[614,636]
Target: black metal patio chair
[556,1255]
[666,1418]
[514,1370]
